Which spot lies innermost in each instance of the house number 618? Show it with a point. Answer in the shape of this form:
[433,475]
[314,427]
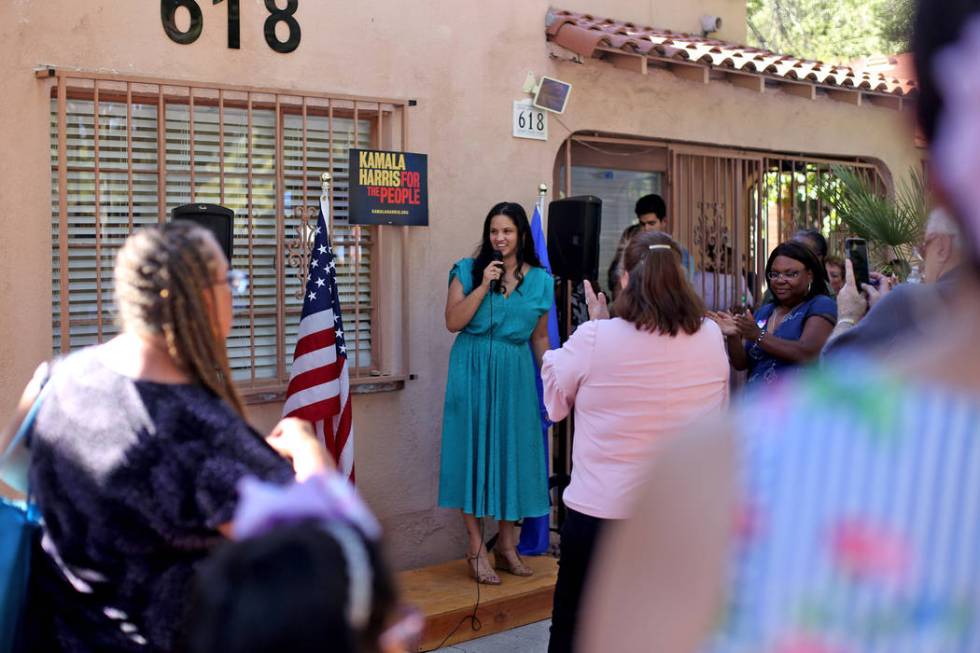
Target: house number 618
[168,15]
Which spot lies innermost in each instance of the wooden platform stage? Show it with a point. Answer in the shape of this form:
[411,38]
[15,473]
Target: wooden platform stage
[446,593]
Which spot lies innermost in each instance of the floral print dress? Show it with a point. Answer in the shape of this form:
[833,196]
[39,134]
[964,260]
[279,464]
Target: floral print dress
[859,529]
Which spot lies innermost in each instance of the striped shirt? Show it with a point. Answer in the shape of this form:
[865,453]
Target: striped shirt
[860,523]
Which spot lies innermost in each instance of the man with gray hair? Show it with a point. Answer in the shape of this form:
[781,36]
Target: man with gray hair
[941,249]
[909,309]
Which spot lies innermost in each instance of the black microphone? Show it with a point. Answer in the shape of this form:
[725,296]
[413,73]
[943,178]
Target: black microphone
[495,284]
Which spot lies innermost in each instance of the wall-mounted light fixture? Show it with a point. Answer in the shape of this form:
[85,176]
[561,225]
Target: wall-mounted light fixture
[710,24]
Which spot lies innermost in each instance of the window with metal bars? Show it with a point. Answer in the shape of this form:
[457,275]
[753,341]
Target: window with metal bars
[124,153]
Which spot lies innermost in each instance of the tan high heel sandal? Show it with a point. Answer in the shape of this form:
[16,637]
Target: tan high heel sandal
[485,578]
[516,567]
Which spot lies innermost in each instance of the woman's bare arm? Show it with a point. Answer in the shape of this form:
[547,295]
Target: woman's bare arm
[460,307]
[23,405]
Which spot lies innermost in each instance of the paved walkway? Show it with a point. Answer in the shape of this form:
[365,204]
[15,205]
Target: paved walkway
[532,638]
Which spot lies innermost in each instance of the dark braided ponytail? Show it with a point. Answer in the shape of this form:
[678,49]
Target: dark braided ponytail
[161,275]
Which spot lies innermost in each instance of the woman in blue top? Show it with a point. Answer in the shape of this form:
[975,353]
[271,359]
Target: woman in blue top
[793,327]
[493,460]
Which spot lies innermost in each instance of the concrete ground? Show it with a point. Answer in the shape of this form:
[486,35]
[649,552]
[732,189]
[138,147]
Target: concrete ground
[532,638]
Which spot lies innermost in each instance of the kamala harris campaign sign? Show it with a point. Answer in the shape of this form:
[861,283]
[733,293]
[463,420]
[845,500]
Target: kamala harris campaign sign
[389,188]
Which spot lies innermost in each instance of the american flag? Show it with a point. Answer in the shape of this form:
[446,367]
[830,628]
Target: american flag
[319,387]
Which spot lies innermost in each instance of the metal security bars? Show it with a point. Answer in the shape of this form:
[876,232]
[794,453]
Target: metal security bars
[732,208]
[792,198]
[125,151]
[716,217]
[729,208]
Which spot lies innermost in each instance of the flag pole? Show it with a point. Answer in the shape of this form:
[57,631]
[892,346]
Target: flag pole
[325,200]
[535,531]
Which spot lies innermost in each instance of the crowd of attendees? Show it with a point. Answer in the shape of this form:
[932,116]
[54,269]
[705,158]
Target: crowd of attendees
[831,508]
[832,511]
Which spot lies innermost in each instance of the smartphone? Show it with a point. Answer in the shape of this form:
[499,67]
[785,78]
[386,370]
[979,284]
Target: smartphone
[857,250]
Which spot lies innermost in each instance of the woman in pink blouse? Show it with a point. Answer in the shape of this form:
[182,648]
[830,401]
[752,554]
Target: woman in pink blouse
[632,380]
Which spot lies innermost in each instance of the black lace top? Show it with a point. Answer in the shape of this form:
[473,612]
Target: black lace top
[132,479]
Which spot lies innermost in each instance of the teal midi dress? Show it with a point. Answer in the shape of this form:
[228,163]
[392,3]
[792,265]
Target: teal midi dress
[493,460]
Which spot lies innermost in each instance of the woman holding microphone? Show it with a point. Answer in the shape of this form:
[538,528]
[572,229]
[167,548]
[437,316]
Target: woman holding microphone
[493,462]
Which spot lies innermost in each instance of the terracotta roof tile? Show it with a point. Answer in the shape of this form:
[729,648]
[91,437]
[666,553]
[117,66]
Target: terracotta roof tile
[643,46]
[589,36]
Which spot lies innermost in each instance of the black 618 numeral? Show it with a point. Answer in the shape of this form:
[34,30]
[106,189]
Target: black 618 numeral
[168,14]
[277,15]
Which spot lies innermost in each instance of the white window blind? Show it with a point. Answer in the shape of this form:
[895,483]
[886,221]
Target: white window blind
[227,154]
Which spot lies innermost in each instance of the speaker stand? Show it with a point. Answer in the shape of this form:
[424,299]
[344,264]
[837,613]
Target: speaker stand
[563,431]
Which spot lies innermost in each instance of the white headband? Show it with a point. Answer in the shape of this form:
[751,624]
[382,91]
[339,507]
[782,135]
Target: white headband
[262,507]
[359,573]
[659,247]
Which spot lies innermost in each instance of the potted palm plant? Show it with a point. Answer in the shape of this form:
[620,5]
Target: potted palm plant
[892,226]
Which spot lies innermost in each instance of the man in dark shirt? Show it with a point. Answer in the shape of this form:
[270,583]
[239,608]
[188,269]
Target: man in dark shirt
[651,214]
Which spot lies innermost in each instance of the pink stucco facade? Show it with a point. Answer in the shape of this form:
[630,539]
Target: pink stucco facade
[464,63]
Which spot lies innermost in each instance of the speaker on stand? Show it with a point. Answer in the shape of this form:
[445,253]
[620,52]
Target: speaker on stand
[217,219]
[574,224]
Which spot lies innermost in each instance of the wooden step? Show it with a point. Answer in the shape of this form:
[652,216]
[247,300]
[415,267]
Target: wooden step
[446,594]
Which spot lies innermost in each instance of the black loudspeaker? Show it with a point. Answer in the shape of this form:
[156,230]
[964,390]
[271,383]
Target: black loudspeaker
[573,237]
[217,219]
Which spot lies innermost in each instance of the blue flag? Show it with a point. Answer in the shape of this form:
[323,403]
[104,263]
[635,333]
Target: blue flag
[541,249]
[534,531]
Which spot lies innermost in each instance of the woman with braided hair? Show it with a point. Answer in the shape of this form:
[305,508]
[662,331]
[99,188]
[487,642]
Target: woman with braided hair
[136,451]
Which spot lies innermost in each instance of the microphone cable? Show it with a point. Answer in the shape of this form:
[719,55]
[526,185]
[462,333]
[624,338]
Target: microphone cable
[475,624]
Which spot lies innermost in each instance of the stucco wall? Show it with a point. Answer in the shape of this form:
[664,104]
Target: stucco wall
[465,64]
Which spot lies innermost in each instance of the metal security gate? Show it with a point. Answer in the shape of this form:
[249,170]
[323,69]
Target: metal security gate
[731,208]
[714,212]
[791,199]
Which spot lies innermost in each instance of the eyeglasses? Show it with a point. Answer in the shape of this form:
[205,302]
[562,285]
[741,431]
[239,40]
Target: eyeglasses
[237,280]
[789,275]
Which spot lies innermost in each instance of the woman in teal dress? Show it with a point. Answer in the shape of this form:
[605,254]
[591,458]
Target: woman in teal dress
[493,460]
